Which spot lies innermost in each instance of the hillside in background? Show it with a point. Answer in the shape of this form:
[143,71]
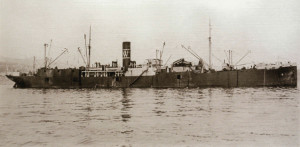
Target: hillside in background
[13,65]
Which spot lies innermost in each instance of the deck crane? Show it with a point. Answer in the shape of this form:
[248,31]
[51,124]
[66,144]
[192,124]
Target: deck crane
[58,57]
[190,51]
[81,55]
[194,54]
[217,58]
[167,60]
[242,58]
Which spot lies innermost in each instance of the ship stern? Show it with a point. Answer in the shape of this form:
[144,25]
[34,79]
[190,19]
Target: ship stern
[288,76]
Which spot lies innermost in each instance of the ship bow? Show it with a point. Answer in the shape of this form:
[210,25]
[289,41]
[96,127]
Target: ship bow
[19,82]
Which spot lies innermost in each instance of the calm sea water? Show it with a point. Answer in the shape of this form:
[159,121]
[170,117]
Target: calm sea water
[149,117]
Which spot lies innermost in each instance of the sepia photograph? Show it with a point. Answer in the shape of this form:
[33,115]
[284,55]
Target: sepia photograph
[133,73]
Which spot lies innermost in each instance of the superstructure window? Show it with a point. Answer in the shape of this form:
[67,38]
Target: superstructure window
[46,80]
[179,77]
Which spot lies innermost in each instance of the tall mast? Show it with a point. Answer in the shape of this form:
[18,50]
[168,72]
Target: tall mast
[231,58]
[86,54]
[49,50]
[33,65]
[209,38]
[161,53]
[45,56]
[230,61]
[90,47]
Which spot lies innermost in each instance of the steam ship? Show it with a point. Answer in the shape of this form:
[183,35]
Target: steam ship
[154,74]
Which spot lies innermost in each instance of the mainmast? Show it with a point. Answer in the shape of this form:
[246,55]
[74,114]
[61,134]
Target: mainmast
[209,39]
[49,51]
[230,57]
[45,56]
[86,54]
[89,59]
[33,65]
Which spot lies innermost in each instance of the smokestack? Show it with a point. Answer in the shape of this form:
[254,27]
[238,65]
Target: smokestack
[126,55]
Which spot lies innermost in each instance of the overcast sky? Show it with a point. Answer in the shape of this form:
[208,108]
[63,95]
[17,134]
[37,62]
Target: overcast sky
[269,28]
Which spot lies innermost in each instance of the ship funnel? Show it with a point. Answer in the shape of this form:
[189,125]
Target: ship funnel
[126,55]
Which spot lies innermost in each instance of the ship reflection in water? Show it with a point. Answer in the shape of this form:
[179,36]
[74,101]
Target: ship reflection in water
[137,117]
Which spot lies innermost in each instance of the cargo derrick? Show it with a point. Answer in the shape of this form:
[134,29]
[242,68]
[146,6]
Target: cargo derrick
[181,73]
[152,74]
[156,74]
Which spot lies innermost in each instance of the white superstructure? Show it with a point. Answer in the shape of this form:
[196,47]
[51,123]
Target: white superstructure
[274,65]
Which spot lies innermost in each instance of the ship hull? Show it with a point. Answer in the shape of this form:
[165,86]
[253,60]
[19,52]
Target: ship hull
[284,76]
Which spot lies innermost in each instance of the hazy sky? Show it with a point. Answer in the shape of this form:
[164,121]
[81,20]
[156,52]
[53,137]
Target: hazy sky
[269,28]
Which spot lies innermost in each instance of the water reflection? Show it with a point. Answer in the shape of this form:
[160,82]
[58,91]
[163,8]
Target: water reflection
[126,105]
[126,129]
[228,101]
[228,91]
[151,117]
[88,108]
[159,102]
[45,99]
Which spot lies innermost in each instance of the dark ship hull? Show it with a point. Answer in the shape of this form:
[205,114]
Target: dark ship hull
[72,78]
[153,74]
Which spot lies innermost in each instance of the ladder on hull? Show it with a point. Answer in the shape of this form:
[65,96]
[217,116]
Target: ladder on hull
[138,78]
